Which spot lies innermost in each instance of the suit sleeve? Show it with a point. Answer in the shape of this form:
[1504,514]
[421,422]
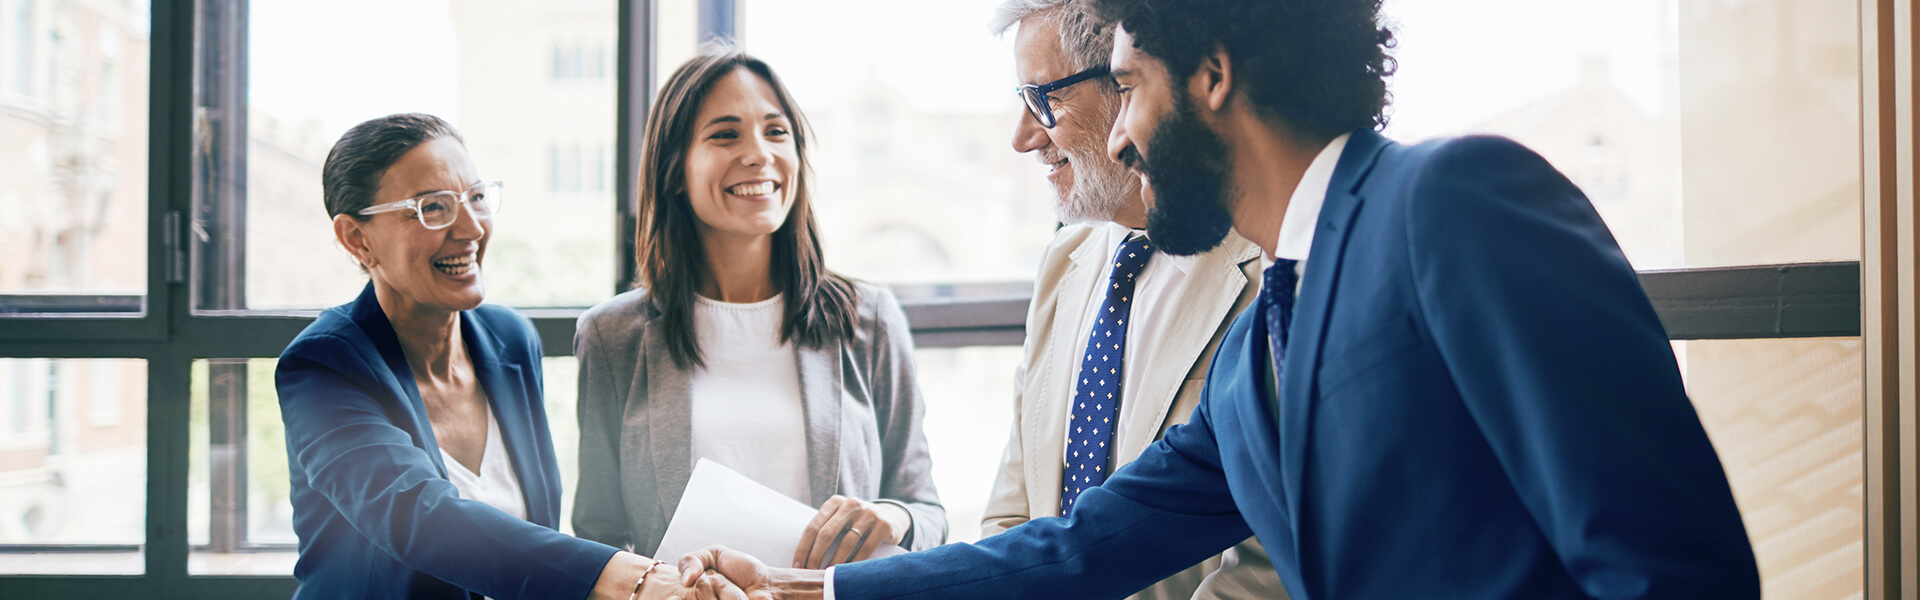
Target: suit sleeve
[389,490]
[599,507]
[1157,515]
[906,474]
[1570,377]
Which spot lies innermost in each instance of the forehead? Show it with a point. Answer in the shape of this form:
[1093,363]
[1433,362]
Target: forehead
[740,93]
[1132,60]
[437,164]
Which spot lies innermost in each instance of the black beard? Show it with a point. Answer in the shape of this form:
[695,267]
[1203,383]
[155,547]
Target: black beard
[1185,164]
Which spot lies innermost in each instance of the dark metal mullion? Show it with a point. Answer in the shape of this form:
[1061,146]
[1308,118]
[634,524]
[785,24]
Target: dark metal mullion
[633,99]
[170,192]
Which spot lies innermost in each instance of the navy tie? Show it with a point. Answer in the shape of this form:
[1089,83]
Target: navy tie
[1096,402]
[1276,306]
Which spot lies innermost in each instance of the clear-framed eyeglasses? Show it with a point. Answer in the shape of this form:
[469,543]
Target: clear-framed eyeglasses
[437,210]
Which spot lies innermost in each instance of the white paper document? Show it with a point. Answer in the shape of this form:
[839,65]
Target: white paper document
[721,506]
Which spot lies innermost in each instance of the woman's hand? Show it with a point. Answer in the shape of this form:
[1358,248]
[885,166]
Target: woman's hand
[620,580]
[864,525]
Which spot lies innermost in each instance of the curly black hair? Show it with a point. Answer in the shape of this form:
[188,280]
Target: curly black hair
[1319,65]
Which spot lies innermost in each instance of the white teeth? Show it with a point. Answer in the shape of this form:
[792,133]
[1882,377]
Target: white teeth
[454,265]
[753,189]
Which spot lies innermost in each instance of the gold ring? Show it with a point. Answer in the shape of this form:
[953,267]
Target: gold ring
[854,530]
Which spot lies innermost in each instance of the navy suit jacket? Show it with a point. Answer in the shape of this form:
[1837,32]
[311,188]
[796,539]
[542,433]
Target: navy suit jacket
[376,515]
[1478,402]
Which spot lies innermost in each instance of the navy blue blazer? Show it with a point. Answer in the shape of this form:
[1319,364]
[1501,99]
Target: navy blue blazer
[1478,402]
[376,514]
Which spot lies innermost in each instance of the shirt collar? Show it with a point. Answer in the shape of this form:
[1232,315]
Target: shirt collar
[1119,235]
[1303,210]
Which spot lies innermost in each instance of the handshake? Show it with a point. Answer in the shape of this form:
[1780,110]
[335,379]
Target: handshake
[721,573]
[844,530]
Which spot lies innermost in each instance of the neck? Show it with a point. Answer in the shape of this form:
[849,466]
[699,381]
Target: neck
[429,337]
[1268,162]
[1133,215]
[742,268]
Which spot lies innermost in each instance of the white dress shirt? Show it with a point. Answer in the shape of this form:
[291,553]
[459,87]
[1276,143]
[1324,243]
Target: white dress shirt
[747,411]
[495,484]
[1296,239]
[1150,312]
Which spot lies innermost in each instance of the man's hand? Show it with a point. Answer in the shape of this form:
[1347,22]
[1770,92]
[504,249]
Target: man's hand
[747,577]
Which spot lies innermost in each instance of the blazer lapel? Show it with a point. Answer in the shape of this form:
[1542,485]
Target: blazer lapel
[513,409]
[820,397]
[1047,406]
[373,321]
[1212,286]
[669,417]
[1317,294]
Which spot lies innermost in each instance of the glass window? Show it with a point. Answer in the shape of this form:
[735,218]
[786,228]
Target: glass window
[1705,133]
[73,466]
[252,533]
[1786,418]
[917,180]
[517,78]
[73,152]
[969,396]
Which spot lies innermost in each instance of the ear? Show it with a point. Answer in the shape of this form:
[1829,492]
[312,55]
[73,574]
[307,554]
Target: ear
[1212,83]
[352,235]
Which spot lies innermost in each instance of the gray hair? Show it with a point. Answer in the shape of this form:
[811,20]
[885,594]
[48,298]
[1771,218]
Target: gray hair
[1085,39]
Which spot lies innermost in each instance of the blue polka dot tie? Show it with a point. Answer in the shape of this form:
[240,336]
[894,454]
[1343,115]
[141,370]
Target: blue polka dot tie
[1096,400]
[1276,306]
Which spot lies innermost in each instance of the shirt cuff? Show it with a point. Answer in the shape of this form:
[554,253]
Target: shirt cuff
[827,592]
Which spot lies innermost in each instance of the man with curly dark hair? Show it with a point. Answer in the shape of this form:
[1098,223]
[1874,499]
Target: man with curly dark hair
[1451,385]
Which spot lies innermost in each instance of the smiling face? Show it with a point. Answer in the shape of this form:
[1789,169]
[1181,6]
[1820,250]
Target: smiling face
[1160,135]
[742,161]
[1087,186]
[436,270]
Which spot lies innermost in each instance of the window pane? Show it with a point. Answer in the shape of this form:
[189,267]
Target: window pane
[917,180]
[527,85]
[1785,416]
[73,466]
[73,148]
[969,394]
[253,535]
[1706,133]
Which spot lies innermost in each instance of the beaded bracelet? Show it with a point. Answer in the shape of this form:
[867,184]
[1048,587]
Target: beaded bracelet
[643,579]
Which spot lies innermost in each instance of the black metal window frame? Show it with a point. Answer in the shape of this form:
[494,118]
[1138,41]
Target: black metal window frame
[198,54]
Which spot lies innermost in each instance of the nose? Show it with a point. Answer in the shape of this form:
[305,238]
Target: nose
[1118,140]
[466,225]
[758,149]
[1028,135]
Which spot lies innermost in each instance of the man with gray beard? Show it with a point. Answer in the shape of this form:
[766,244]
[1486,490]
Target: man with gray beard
[1119,335]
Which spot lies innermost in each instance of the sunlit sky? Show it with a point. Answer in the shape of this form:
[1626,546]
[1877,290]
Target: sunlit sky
[1460,62]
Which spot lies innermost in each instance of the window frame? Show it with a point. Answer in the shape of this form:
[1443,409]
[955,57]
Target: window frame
[1745,302]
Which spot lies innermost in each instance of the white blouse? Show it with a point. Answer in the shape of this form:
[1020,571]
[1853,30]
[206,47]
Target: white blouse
[747,411]
[495,484]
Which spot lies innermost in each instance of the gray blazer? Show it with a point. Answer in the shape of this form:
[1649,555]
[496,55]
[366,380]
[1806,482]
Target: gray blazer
[863,423]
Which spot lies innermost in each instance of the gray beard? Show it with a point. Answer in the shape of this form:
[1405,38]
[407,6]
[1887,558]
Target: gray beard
[1096,198]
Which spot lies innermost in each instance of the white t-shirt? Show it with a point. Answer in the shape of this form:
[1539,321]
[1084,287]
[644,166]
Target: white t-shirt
[495,484]
[747,411]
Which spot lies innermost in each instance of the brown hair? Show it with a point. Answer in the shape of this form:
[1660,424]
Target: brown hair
[673,263]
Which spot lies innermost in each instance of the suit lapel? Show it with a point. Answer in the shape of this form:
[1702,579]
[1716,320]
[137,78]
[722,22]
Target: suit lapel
[820,397]
[373,321]
[669,418]
[1213,285]
[1317,291]
[514,411]
[1046,419]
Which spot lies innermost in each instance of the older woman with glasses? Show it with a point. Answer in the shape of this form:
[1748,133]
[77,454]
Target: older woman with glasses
[741,347]
[417,442]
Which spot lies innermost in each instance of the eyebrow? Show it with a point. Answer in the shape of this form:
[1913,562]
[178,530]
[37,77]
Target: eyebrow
[456,191]
[1118,73]
[734,119]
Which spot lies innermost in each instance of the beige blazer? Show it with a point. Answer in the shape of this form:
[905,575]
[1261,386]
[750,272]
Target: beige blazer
[1219,284]
[863,408]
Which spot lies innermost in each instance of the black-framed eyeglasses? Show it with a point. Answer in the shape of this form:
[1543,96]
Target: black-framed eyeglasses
[1035,96]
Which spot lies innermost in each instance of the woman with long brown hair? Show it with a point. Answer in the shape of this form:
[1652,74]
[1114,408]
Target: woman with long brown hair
[740,347]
